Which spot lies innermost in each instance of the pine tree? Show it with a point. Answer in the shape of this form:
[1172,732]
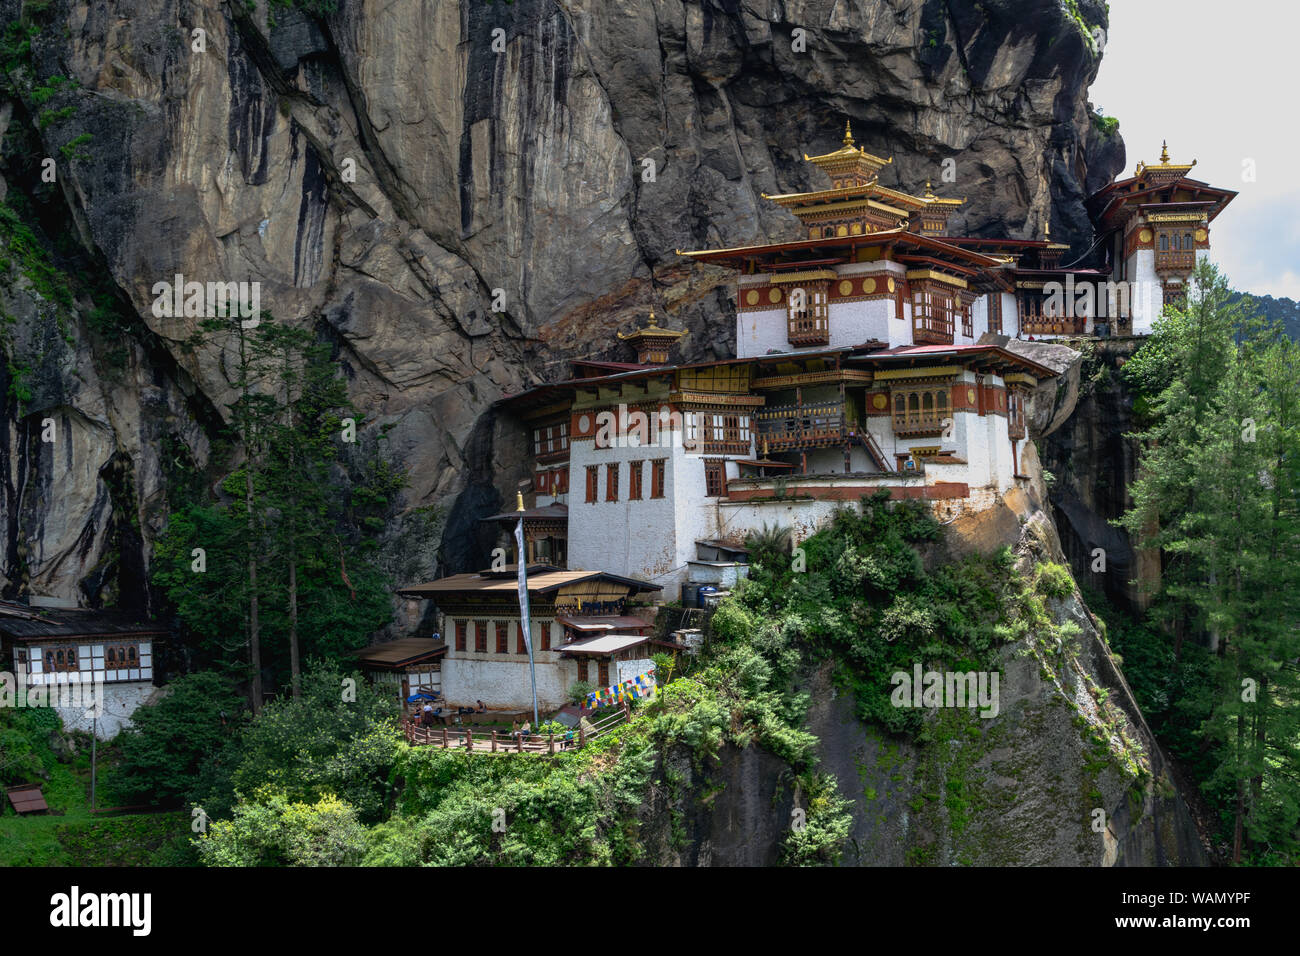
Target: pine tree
[1219,483]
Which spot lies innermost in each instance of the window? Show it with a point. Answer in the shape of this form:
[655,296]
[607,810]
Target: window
[657,468]
[593,477]
[967,327]
[807,315]
[62,659]
[603,671]
[995,312]
[582,670]
[460,635]
[480,636]
[503,637]
[715,478]
[611,482]
[520,646]
[634,480]
[1164,242]
[1015,414]
[1187,242]
[932,312]
[920,411]
[543,636]
[548,439]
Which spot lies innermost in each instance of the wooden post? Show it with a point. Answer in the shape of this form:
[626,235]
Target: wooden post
[494,741]
[519,743]
[444,737]
[582,736]
[469,740]
[552,743]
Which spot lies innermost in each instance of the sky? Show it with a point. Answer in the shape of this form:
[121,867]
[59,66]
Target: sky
[1219,81]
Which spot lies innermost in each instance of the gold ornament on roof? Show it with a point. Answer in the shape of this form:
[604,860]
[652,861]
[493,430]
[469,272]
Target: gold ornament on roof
[848,132]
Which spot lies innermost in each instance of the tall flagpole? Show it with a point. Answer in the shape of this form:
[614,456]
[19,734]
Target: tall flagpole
[524,627]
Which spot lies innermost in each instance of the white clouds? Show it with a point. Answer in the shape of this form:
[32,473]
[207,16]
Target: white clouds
[1216,81]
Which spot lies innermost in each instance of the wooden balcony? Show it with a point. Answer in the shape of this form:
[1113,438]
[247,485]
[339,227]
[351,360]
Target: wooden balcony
[818,425]
[1181,261]
[729,447]
[920,423]
[1053,325]
[809,329]
[932,328]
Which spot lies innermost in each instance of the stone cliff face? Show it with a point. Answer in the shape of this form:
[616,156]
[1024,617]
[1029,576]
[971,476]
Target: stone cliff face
[1067,773]
[391,172]
[463,196]
[1093,464]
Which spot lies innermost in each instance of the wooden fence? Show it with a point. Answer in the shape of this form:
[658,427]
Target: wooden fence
[465,738]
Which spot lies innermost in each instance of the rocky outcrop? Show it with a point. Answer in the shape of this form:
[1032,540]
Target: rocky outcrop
[1066,774]
[466,195]
[1093,464]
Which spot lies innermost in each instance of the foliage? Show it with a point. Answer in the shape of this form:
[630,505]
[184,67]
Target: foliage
[271,831]
[306,507]
[579,690]
[171,741]
[1108,126]
[341,737]
[867,602]
[1218,495]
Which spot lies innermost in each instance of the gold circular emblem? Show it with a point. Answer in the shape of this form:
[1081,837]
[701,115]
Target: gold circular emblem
[846,287]
[889,285]
[1144,235]
[970,396]
[1201,235]
[879,401]
[868,286]
[774,296]
[751,297]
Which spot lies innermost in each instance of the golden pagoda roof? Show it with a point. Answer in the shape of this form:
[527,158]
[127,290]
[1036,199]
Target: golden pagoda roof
[848,153]
[651,331]
[843,192]
[931,199]
[1165,166]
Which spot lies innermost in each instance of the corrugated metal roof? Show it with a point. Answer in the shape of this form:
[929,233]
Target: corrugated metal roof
[402,651]
[539,583]
[22,623]
[604,644]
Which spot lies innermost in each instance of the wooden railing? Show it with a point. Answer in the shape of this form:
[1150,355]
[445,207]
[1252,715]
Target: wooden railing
[920,422]
[931,326]
[808,328]
[725,447]
[784,427]
[465,738]
[1175,261]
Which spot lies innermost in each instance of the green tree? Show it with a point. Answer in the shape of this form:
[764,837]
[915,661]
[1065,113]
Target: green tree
[1218,495]
[340,736]
[169,743]
[271,831]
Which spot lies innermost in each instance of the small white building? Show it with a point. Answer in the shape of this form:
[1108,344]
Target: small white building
[484,656]
[93,667]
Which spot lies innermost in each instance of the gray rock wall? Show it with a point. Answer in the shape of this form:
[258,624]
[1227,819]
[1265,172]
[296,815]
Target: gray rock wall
[384,170]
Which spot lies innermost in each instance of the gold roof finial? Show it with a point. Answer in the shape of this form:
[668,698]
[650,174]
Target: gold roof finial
[848,132]
[1047,230]
[519,497]
[929,190]
[1164,152]
[653,324]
